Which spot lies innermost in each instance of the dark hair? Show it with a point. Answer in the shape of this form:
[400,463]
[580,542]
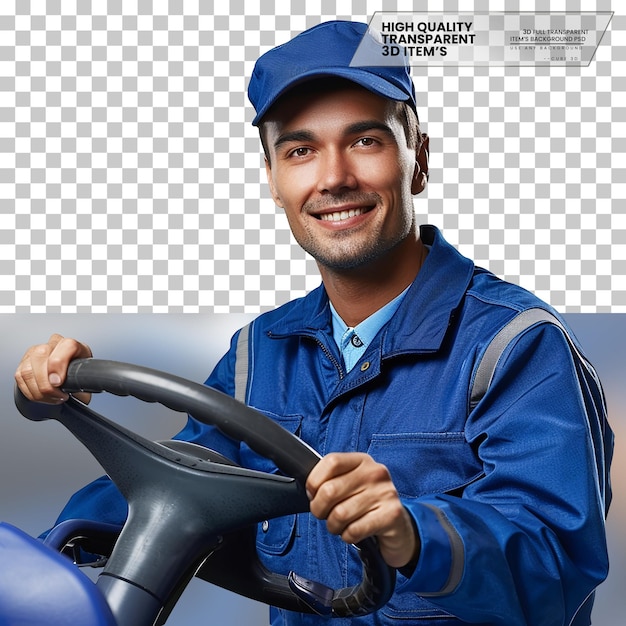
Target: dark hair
[403,110]
[410,122]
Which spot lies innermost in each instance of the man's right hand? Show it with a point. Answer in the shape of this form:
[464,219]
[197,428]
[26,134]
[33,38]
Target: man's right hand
[43,369]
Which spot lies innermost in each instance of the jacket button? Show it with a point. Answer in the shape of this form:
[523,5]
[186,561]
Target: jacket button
[265,526]
[365,366]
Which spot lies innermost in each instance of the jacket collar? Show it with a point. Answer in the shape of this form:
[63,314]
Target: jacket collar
[421,321]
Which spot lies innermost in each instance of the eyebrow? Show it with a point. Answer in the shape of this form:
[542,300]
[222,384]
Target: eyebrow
[298,136]
[367,125]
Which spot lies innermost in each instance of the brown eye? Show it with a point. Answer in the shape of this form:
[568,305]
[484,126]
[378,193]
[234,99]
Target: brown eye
[300,152]
[366,141]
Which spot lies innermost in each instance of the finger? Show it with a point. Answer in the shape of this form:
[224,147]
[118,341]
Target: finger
[387,520]
[352,483]
[332,496]
[331,466]
[32,373]
[26,381]
[43,368]
[363,511]
[355,520]
[349,516]
[63,352]
[397,535]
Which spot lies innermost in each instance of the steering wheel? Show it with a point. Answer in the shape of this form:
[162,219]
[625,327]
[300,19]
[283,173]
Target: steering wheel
[190,510]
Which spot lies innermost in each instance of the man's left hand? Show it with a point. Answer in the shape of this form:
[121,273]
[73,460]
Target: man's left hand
[357,498]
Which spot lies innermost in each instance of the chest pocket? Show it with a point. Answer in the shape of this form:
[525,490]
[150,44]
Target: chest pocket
[426,463]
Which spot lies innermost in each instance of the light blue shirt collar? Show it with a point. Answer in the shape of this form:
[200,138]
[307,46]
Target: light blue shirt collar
[353,342]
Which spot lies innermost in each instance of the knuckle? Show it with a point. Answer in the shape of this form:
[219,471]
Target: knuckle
[23,374]
[24,371]
[341,514]
[63,351]
[333,461]
[352,534]
[395,511]
[68,343]
[40,351]
[380,473]
[327,491]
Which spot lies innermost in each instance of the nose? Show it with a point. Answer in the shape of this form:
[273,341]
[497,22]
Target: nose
[336,172]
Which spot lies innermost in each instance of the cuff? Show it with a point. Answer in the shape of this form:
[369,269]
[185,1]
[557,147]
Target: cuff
[439,568]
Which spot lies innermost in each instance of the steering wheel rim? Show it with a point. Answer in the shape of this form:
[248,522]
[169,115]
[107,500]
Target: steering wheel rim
[238,421]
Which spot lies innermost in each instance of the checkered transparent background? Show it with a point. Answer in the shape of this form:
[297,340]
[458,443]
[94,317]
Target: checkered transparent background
[131,179]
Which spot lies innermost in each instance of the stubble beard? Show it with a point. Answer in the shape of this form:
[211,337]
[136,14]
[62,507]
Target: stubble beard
[347,249]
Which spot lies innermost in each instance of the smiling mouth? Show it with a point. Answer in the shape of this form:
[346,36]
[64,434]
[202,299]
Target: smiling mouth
[338,216]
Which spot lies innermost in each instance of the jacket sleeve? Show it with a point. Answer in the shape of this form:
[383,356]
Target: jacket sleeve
[525,543]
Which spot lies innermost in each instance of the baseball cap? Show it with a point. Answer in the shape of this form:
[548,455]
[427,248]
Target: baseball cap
[325,50]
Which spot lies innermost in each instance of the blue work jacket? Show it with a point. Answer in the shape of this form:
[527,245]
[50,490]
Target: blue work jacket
[509,498]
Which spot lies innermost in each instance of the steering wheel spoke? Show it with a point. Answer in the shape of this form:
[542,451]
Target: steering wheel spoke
[182,500]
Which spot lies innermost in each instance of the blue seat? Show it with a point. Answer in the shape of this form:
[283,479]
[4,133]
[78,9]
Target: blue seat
[40,586]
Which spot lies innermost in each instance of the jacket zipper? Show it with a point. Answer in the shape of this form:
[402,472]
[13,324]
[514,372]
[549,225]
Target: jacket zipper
[331,357]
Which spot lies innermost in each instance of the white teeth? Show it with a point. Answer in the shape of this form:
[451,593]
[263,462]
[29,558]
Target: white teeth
[337,216]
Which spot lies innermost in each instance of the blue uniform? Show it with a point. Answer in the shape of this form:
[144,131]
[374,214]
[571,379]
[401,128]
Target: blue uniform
[509,497]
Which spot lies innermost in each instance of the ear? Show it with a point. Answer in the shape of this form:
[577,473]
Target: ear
[420,175]
[270,182]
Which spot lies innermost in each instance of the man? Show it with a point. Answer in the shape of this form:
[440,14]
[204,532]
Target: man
[491,510]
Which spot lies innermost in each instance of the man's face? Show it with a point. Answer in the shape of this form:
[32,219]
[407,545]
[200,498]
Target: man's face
[340,167]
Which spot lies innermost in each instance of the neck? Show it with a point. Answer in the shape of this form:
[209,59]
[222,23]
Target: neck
[359,292]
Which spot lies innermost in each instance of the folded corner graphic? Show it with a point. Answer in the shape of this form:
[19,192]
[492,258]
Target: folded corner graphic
[507,38]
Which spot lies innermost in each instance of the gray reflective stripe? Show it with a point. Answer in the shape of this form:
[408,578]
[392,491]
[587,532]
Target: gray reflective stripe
[457,551]
[241,363]
[489,361]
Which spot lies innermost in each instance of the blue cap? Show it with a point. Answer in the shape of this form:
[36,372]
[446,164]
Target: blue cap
[326,50]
